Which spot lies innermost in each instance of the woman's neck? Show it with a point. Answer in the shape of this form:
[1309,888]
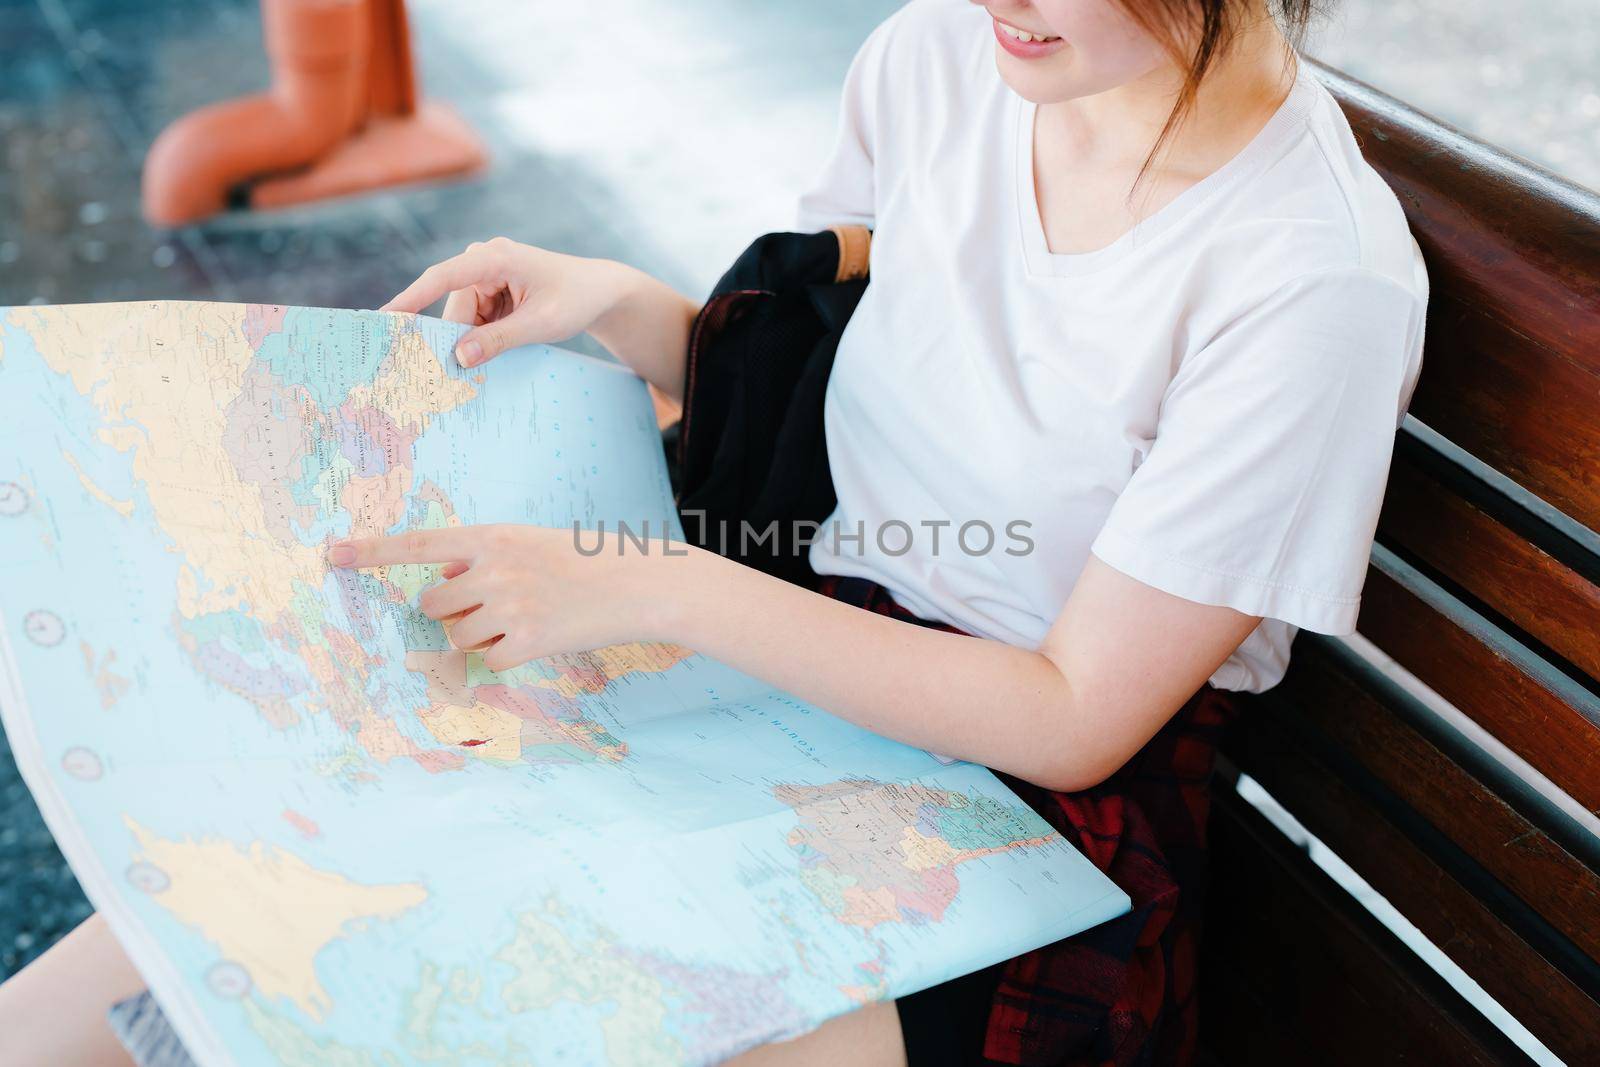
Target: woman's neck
[1237,96]
[1089,152]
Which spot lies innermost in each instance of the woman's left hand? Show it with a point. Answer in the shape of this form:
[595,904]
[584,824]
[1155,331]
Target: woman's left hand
[520,593]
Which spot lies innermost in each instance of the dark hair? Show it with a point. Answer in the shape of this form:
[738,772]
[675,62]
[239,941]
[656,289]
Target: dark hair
[1196,32]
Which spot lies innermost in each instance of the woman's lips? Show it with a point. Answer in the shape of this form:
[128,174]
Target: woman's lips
[1031,49]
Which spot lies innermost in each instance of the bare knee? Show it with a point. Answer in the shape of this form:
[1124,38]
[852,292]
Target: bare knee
[54,1010]
[869,1037]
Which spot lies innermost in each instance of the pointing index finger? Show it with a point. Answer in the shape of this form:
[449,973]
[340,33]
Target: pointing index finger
[415,546]
[439,280]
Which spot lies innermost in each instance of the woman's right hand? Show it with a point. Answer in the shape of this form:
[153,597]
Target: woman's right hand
[515,294]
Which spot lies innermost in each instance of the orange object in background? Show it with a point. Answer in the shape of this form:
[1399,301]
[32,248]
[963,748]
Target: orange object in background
[341,117]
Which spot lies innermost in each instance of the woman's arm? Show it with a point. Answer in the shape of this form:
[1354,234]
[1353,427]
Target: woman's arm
[514,294]
[1119,661]
[647,327]
[1121,658]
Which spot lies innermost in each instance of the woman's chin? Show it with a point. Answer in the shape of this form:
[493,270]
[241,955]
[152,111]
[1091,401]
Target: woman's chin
[1073,75]
[1040,81]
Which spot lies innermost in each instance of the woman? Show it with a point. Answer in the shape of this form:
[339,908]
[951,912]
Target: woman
[1139,308]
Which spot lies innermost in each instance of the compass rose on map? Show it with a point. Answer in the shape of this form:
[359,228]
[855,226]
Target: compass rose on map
[228,980]
[44,628]
[13,500]
[82,764]
[148,877]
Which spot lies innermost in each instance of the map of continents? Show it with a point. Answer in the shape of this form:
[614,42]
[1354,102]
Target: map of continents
[316,417]
[328,837]
[254,435]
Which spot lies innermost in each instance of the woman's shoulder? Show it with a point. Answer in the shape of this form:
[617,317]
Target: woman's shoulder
[1319,207]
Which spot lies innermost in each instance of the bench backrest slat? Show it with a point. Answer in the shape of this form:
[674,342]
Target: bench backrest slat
[1389,738]
[1453,525]
[1538,712]
[1369,835]
[1297,973]
[1514,259]
[1438,832]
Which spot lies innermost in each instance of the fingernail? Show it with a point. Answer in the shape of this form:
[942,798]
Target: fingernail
[467,352]
[342,554]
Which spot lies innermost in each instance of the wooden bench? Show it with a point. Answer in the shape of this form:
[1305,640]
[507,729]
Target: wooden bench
[1475,822]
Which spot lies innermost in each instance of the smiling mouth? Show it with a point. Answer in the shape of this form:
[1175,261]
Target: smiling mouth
[1024,36]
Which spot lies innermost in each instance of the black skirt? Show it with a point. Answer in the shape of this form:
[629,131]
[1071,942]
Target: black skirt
[946,1025]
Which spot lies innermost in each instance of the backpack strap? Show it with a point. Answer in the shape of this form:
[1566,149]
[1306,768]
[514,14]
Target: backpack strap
[855,252]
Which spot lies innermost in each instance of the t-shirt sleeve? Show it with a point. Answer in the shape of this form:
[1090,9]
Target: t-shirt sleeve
[843,192]
[1272,448]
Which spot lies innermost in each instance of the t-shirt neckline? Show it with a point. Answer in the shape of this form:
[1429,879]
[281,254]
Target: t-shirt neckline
[1257,152]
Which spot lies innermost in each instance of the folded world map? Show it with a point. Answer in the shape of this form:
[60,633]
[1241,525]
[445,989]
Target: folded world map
[324,835]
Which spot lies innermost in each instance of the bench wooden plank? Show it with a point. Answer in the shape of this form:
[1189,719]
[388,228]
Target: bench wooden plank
[1297,972]
[1331,689]
[1513,349]
[1543,596]
[1532,419]
[1363,831]
[1539,713]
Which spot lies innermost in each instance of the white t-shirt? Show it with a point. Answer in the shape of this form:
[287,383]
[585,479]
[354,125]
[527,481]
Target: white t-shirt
[1208,404]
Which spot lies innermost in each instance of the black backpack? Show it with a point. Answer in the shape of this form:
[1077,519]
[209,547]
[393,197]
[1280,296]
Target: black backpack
[752,463]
